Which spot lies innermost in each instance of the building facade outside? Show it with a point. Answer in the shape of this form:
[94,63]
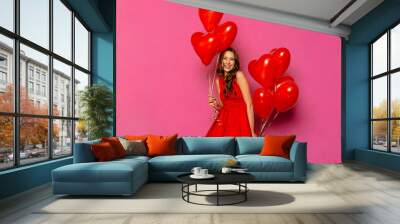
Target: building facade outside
[34,100]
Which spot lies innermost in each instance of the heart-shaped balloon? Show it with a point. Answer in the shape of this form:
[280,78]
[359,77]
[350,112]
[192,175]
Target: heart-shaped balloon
[263,70]
[205,45]
[283,79]
[226,34]
[210,19]
[273,50]
[263,102]
[286,95]
[251,67]
[281,58]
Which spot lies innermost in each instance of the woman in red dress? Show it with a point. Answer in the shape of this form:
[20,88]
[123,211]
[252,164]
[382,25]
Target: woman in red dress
[235,109]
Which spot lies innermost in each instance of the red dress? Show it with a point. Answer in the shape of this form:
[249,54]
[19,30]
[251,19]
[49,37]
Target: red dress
[232,117]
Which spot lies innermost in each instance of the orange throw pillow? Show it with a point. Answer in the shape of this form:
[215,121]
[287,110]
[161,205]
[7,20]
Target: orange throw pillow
[116,145]
[161,145]
[136,138]
[277,145]
[103,152]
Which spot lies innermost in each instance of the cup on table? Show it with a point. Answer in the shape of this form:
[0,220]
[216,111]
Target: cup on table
[226,170]
[203,172]
[196,171]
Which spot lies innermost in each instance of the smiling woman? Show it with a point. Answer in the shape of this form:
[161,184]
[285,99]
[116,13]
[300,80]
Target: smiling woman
[235,110]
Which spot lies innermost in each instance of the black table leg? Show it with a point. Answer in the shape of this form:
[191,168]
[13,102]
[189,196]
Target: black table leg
[217,194]
[182,190]
[245,193]
[196,188]
[188,190]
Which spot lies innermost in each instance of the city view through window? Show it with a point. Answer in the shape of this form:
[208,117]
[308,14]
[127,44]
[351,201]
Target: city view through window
[39,114]
[385,91]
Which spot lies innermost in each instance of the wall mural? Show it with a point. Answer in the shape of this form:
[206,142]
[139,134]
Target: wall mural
[229,93]
[167,81]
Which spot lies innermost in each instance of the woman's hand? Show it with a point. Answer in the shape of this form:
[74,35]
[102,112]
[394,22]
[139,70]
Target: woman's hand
[213,102]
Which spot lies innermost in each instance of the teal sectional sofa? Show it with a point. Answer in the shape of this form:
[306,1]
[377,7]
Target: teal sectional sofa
[125,176]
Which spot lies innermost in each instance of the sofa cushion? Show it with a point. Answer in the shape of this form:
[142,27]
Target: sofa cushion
[111,171]
[249,145]
[134,147]
[277,145]
[136,137]
[161,145]
[257,163]
[185,163]
[116,145]
[103,152]
[206,145]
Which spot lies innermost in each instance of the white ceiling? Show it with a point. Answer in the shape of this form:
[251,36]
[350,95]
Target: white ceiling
[327,16]
[320,9]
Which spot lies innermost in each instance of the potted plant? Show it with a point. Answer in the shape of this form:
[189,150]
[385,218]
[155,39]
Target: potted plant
[96,102]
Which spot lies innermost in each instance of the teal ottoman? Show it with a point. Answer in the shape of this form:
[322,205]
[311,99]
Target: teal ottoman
[118,177]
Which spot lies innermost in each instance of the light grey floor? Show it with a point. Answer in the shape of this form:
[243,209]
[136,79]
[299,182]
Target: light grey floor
[377,188]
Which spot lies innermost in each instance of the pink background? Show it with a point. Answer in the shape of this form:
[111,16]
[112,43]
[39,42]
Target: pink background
[162,84]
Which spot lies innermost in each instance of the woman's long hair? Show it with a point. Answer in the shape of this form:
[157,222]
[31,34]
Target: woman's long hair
[228,79]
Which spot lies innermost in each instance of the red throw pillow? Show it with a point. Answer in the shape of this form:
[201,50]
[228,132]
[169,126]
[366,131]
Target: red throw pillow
[161,145]
[277,145]
[136,137]
[116,145]
[103,152]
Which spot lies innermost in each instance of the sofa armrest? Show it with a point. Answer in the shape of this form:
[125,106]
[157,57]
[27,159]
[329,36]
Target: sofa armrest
[83,152]
[298,155]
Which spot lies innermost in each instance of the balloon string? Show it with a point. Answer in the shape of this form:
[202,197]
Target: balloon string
[268,121]
[211,83]
[264,123]
[214,74]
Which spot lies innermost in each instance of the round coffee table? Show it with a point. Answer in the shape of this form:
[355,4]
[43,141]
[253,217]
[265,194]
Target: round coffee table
[238,179]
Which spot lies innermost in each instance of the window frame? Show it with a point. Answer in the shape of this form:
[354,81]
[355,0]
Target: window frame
[16,114]
[388,74]
[3,74]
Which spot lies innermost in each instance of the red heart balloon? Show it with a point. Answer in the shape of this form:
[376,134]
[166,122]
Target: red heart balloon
[285,96]
[226,33]
[262,70]
[210,19]
[262,102]
[281,57]
[205,45]
[283,79]
[251,68]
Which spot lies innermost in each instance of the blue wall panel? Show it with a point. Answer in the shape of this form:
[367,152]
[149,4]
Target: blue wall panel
[102,58]
[377,158]
[103,61]
[24,178]
[357,99]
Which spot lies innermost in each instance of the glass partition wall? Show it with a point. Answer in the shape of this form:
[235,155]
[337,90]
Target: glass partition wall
[385,91]
[44,64]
